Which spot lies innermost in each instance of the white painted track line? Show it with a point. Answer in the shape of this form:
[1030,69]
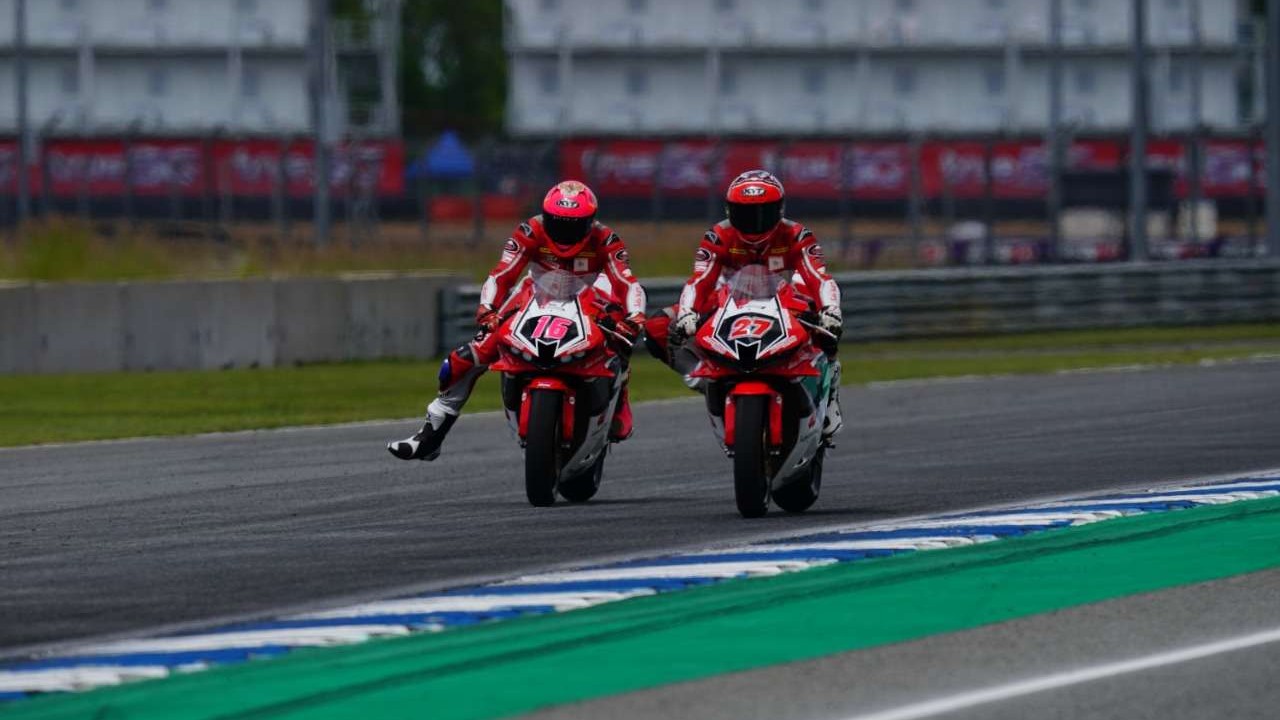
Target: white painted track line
[1030,686]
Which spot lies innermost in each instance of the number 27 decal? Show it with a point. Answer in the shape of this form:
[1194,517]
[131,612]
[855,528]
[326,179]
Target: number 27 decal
[749,327]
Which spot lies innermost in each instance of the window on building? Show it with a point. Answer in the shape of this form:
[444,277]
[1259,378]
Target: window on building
[251,83]
[549,81]
[157,82]
[728,81]
[815,80]
[637,6]
[993,78]
[637,81]
[1177,79]
[1086,80]
[69,79]
[904,80]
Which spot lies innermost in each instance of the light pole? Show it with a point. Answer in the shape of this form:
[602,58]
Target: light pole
[319,57]
[20,68]
[1273,128]
[1138,137]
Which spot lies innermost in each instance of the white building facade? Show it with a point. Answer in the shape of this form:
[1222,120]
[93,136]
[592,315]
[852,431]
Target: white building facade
[184,67]
[820,67]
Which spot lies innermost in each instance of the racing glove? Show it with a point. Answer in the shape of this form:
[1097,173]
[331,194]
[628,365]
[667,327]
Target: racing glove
[487,318]
[684,327]
[630,326]
[831,322]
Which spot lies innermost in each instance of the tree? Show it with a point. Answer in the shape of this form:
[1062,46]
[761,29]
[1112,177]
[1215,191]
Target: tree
[453,67]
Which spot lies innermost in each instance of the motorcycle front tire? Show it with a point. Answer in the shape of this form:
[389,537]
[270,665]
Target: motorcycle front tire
[751,455]
[542,448]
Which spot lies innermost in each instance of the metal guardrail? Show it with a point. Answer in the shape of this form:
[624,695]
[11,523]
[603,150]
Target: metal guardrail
[884,305]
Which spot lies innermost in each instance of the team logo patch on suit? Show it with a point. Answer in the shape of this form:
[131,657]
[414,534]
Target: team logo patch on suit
[702,255]
[566,203]
[814,251]
[776,262]
[752,191]
[511,246]
[581,264]
[622,256]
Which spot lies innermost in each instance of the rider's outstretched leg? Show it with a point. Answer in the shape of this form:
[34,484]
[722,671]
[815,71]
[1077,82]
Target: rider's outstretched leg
[832,423]
[621,426]
[458,377]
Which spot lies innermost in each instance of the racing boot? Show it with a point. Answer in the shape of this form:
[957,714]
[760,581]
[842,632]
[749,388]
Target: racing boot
[832,422]
[620,428]
[425,444]
[458,375]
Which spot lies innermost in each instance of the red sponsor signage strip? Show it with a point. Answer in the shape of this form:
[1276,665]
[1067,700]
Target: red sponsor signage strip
[882,170]
[163,167]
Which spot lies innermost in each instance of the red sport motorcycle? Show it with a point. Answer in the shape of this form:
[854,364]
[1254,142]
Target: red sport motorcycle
[767,388]
[561,380]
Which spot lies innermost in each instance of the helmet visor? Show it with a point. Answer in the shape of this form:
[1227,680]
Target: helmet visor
[756,218]
[566,230]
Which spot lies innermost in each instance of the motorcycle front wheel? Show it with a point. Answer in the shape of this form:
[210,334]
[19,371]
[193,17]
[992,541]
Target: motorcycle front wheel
[751,455]
[542,448]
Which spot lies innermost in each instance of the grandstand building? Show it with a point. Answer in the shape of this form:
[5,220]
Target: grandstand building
[817,67]
[193,67]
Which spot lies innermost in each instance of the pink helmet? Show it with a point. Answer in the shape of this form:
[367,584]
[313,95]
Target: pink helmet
[568,212]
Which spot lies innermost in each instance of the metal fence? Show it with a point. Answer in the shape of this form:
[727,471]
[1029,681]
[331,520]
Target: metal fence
[971,301]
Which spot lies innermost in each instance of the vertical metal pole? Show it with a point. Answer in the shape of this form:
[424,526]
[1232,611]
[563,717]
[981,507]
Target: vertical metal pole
[1273,128]
[844,185]
[915,202]
[1195,141]
[319,58]
[988,203]
[1138,137]
[1055,129]
[20,67]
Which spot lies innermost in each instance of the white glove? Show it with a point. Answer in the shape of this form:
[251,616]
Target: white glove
[831,321]
[686,325]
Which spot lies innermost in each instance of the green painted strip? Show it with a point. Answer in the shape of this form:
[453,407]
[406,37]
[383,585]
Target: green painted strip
[521,665]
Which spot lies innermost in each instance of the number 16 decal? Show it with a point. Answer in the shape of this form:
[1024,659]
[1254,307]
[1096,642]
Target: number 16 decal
[550,327]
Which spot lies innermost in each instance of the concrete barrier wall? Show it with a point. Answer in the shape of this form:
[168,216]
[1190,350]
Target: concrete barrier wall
[93,327]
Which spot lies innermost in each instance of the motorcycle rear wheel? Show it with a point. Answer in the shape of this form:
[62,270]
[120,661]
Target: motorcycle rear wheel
[751,455]
[542,448]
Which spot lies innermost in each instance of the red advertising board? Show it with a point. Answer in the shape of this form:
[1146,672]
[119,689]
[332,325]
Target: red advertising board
[192,167]
[882,170]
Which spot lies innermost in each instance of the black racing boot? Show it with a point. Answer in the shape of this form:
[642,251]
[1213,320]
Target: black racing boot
[424,444]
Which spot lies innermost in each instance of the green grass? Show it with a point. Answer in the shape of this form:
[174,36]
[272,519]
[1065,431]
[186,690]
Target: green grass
[59,408]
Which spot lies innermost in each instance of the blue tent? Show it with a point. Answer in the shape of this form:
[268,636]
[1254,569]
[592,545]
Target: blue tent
[447,159]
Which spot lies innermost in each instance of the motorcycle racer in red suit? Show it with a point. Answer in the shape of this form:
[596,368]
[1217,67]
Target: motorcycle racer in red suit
[754,232]
[565,236]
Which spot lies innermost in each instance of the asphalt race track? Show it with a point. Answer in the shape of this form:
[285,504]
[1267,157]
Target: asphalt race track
[109,538]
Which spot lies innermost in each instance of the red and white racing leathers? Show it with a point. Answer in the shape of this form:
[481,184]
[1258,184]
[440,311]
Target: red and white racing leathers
[601,257]
[791,249]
